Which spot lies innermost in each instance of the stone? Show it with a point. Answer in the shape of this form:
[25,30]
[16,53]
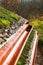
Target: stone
[6,30]
[9,34]
[6,35]
[1,31]
[1,35]
[13,27]
[1,40]
[11,31]
[5,39]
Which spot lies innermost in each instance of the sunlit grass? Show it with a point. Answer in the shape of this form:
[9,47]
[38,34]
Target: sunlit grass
[35,23]
[38,25]
[7,17]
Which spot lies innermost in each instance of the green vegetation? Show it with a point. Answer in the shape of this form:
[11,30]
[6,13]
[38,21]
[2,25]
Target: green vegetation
[6,17]
[24,54]
[5,22]
[38,25]
[1,25]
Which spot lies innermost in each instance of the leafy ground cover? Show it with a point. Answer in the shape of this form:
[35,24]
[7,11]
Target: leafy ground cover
[9,24]
[6,17]
[38,25]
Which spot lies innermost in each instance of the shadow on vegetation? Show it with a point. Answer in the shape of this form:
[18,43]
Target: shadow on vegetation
[40,45]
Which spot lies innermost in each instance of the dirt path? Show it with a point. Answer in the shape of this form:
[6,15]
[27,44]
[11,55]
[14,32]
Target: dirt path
[39,57]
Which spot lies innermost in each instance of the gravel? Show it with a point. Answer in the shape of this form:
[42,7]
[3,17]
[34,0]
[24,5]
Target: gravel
[5,33]
[1,40]
[28,60]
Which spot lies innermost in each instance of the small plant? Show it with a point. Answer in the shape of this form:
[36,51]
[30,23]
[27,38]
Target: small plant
[24,54]
[5,22]
[1,25]
[7,17]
